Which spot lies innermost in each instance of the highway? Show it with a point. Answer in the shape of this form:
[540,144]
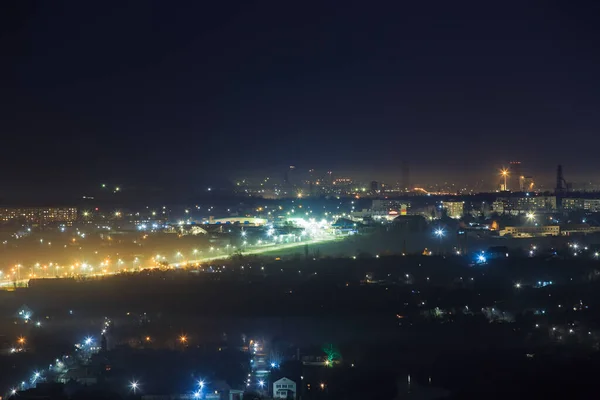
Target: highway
[254,250]
[259,250]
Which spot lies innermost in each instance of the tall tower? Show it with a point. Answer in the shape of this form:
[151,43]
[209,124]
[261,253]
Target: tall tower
[286,177]
[405,176]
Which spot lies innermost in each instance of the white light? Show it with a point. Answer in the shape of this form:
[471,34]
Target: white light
[261,383]
[88,340]
[201,384]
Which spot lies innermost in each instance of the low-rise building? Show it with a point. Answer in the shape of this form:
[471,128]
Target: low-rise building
[531,231]
[284,388]
[578,229]
[39,215]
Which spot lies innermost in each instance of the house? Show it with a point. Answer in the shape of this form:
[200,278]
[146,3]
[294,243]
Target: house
[284,388]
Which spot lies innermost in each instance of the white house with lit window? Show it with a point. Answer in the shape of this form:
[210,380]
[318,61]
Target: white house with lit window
[284,388]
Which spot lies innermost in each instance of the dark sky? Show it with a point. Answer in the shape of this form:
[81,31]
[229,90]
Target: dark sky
[156,92]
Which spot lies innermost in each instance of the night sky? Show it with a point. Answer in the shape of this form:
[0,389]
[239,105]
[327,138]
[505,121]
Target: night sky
[181,93]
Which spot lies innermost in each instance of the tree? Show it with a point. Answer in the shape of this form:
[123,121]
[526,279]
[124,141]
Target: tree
[332,353]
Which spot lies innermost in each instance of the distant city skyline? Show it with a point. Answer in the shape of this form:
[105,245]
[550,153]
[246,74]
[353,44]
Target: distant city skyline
[179,97]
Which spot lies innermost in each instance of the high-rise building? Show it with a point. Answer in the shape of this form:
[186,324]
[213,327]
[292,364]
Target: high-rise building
[287,179]
[454,209]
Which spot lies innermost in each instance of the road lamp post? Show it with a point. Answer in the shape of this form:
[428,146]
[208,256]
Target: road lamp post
[439,232]
[504,172]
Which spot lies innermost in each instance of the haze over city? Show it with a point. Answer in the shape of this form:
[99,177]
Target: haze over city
[180,96]
[259,200]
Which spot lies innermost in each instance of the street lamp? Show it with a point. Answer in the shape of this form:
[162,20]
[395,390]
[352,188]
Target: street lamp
[504,172]
[134,385]
[439,232]
[530,216]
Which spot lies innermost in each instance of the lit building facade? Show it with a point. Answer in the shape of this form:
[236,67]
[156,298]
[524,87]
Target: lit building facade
[39,215]
[524,204]
[454,209]
[572,204]
[591,205]
[535,203]
[531,231]
[284,388]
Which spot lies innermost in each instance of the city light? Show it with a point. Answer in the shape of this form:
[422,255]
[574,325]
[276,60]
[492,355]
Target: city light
[201,384]
[439,232]
[504,172]
[261,383]
[183,339]
[134,385]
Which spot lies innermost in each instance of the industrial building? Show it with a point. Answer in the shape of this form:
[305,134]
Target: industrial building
[531,231]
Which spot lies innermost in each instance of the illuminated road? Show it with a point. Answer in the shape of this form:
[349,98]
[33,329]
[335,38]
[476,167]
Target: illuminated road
[267,248]
[259,250]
